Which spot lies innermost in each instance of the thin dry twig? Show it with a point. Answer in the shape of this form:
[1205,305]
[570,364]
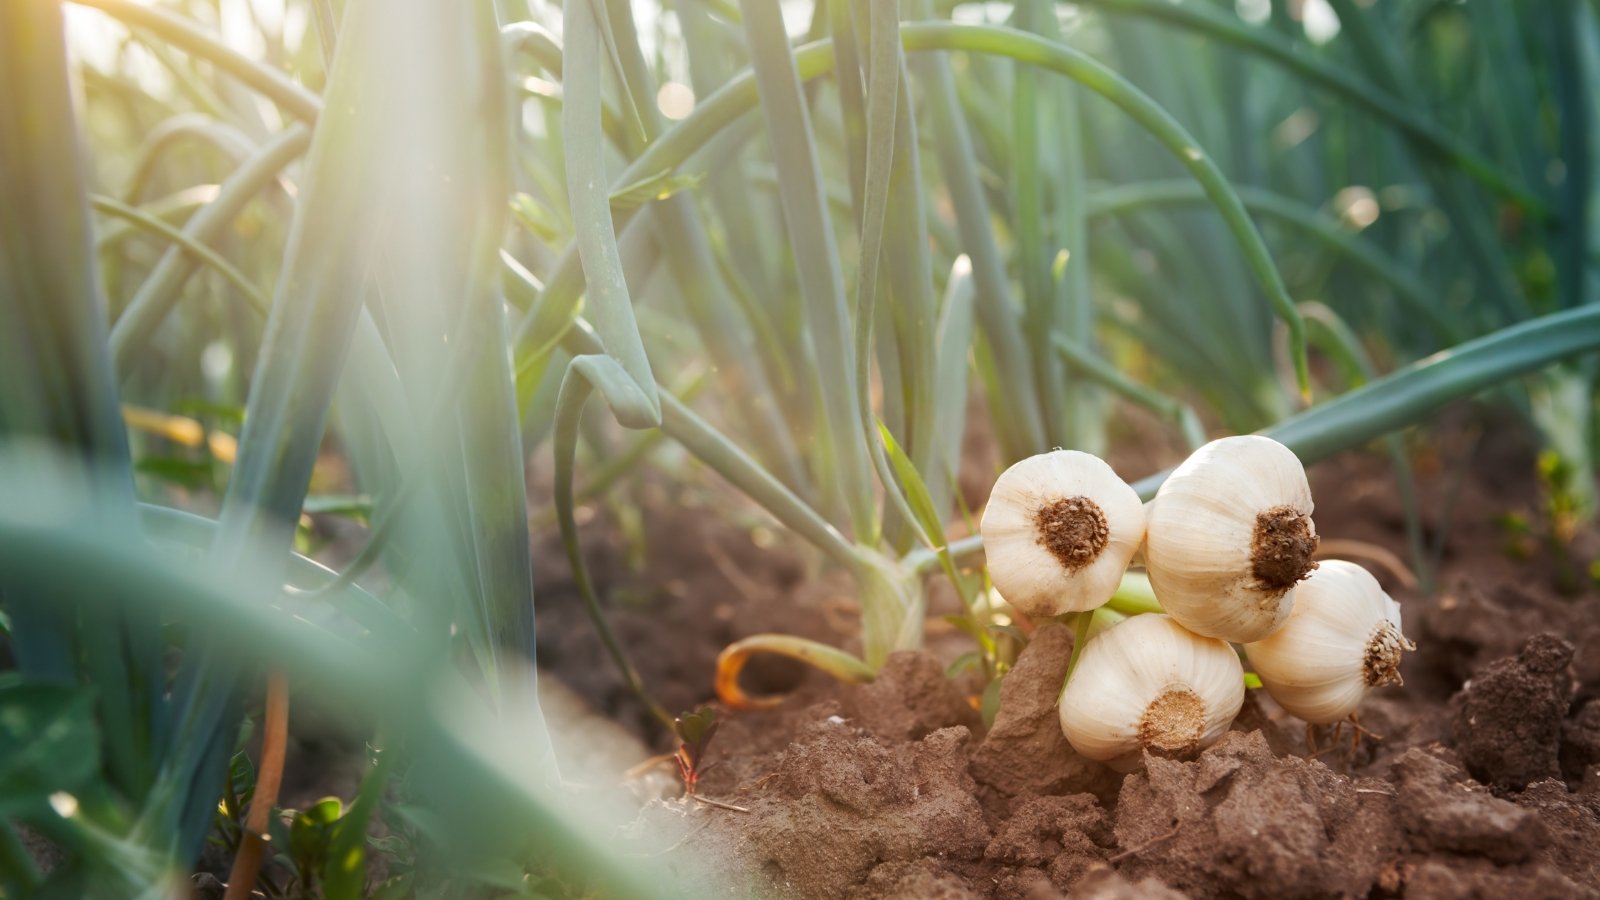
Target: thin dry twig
[274,740]
[644,767]
[719,804]
[751,588]
[1135,851]
[1338,548]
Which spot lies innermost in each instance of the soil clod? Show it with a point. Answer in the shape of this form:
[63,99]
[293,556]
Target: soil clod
[1025,751]
[1508,718]
[1441,811]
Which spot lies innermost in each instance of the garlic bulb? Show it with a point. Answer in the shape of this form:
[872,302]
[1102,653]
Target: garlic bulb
[1150,684]
[1342,639]
[1229,536]
[1058,531]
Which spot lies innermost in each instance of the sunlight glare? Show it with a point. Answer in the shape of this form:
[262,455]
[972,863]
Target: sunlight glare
[675,99]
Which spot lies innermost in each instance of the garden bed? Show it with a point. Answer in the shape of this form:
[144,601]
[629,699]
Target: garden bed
[1478,777]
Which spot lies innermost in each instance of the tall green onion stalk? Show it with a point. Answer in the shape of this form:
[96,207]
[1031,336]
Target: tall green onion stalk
[429,252]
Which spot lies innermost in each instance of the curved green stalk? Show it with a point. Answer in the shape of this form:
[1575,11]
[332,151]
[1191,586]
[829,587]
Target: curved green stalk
[1016,407]
[1336,338]
[113,207]
[191,38]
[882,102]
[740,95]
[820,276]
[582,376]
[1135,596]
[730,663]
[687,250]
[304,575]
[1028,188]
[1089,364]
[1410,289]
[173,208]
[908,249]
[1405,118]
[733,463]
[160,291]
[1158,123]
[227,139]
[591,215]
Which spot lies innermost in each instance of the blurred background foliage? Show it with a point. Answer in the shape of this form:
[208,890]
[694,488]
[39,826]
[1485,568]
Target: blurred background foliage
[284,280]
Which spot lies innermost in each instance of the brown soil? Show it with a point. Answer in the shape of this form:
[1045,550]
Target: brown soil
[1485,781]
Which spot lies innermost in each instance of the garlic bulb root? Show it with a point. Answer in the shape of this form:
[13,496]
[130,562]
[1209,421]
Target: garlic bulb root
[1282,549]
[1059,531]
[1074,530]
[1174,722]
[1380,665]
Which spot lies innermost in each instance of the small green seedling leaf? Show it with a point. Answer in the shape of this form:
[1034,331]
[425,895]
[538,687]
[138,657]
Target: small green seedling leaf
[990,705]
[48,741]
[187,473]
[344,876]
[309,833]
[1252,681]
[654,187]
[967,661]
[916,490]
[695,730]
[241,787]
[532,215]
[350,506]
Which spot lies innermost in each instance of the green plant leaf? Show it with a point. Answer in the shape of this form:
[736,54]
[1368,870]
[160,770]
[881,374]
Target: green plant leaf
[916,490]
[48,741]
[989,706]
[654,187]
[344,874]
[189,473]
[309,833]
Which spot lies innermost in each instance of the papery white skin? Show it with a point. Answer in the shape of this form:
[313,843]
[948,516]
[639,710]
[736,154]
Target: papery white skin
[1314,666]
[1200,529]
[1025,573]
[1126,668]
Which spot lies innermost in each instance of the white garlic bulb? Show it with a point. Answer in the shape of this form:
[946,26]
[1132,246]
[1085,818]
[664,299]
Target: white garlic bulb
[1342,639]
[1150,684]
[1059,530]
[1228,537]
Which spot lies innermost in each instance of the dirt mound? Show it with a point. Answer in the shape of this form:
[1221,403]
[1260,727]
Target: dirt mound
[869,799]
[1479,778]
[1025,751]
[1509,717]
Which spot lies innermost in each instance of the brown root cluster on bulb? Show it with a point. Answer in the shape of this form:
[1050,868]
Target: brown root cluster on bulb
[1283,549]
[1381,664]
[1074,530]
[1173,723]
